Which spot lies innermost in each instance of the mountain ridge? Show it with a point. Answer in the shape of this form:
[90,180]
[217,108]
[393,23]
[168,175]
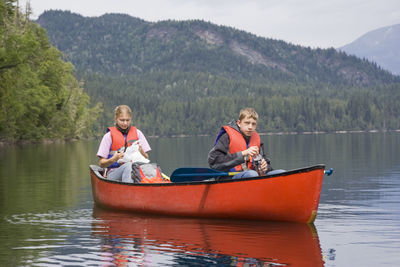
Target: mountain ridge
[380,46]
[121,45]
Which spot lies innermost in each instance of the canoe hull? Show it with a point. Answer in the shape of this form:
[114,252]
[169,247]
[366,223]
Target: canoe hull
[291,196]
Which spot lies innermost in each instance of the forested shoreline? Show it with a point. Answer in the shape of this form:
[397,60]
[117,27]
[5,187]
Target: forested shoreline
[40,97]
[210,101]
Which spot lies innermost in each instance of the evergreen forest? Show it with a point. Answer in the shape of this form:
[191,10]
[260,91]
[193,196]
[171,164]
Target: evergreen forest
[40,98]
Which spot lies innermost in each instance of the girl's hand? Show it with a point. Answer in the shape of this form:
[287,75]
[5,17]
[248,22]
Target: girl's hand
[118,155]
[143,153]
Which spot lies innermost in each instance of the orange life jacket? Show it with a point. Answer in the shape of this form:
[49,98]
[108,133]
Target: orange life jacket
[118,141]
[238,143]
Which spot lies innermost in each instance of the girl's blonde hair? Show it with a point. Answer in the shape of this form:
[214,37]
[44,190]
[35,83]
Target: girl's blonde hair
[122,109]
[248,112]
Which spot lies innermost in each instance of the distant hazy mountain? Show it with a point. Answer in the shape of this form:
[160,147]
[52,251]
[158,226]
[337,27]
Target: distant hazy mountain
[380,45]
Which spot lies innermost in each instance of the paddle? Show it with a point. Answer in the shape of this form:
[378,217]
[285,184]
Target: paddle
[196,174]
[199,174]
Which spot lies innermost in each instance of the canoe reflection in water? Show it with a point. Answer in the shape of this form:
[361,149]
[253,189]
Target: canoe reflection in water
[146,240]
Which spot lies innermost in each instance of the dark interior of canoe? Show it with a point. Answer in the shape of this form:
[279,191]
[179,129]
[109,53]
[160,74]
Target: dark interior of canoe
[99,172]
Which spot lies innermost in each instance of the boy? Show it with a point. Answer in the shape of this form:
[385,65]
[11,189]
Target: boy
[237,146]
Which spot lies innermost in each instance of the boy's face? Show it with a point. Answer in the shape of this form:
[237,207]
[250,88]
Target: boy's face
[247,125]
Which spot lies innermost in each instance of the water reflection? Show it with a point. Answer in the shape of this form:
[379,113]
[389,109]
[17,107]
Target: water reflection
[153,240]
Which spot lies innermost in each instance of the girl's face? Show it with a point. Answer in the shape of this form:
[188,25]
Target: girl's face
[123,120]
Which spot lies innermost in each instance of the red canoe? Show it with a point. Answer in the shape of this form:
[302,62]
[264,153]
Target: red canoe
[289,196]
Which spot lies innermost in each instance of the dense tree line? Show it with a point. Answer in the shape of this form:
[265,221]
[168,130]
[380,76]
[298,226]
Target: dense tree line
[160,107]
[39,96]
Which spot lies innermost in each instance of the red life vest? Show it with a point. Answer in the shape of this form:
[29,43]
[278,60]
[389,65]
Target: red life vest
[238,143]
[118,141]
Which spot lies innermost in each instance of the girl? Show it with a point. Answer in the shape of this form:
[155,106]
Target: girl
[114,143]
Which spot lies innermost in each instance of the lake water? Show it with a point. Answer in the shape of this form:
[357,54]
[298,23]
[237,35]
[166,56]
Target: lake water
[47,216]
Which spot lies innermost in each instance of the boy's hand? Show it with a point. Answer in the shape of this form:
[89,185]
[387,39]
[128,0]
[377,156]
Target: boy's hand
[250,152]
[264,165]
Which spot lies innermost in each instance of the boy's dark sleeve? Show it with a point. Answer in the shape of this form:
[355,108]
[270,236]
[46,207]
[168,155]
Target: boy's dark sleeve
[219,157]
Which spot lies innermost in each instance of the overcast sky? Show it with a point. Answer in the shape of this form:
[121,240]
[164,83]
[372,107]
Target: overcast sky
[314,23]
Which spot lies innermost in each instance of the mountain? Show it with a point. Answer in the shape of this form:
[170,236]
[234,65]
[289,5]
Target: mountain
[119,44]
[189,77]
[380,46]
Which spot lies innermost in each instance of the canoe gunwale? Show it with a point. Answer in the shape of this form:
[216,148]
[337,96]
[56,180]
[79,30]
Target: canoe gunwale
[96,170]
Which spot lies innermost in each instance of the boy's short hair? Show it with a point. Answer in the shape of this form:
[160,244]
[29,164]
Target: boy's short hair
[248,112]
